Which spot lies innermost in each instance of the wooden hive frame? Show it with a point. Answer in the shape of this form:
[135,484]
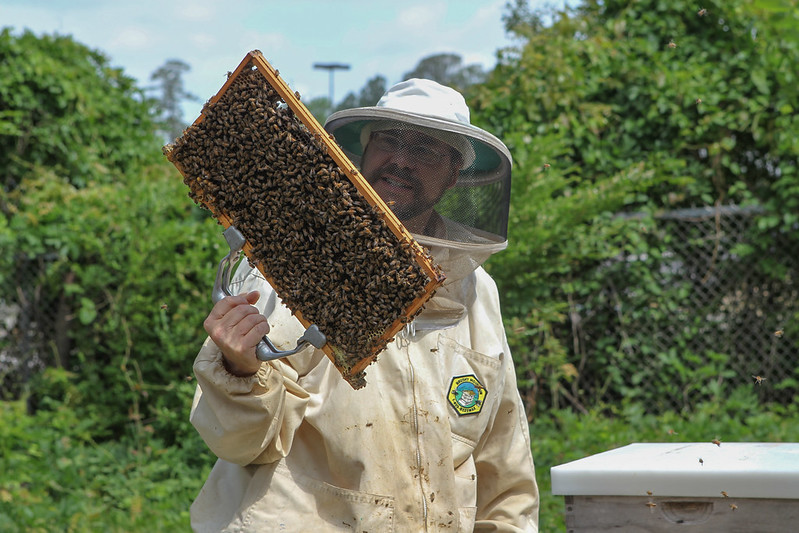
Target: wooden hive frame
[353,374]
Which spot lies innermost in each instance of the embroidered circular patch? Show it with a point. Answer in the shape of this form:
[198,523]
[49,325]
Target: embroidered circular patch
[466,394]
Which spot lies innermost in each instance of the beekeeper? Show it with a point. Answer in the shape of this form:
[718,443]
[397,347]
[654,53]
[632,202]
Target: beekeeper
[438,439]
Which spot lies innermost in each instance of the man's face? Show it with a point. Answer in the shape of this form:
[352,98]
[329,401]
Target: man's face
[410,171]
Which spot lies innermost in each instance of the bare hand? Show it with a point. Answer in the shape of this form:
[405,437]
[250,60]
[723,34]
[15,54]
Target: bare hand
[236,326]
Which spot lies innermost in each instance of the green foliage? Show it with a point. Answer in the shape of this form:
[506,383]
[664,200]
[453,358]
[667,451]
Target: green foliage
[169,79]
[632,107]
[367,97]
[602,116]
[447,69]
[135,261]
[63,107]
[56,477]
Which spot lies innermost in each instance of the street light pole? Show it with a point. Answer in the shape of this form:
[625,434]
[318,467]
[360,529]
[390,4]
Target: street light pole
[331,68]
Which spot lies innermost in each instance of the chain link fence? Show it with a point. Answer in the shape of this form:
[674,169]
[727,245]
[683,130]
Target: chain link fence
[31,329]
[694,318]
[700,315]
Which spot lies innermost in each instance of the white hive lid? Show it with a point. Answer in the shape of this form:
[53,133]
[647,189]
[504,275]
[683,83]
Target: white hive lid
[741,469]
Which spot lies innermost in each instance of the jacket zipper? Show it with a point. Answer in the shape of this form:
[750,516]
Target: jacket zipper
[418,445]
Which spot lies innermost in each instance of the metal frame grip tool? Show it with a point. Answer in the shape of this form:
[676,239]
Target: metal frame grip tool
[266,350]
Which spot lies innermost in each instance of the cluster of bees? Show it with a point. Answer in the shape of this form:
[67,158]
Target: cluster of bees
[327,252]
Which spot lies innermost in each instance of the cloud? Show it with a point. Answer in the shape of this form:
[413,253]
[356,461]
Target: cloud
[196,10]
[203,40]
[132,37]
[421,18]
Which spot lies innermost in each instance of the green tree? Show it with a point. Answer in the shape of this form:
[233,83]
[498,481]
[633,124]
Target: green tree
[372,91]
[62,106]
[447,69]
[99,232]
[169,78]
[320,108]
[628,106]
[367,96]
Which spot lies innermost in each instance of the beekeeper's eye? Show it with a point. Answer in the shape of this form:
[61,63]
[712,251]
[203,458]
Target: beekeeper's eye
[392,143]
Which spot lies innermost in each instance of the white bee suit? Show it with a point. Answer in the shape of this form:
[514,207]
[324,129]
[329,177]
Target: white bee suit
[300,450]
[438,439]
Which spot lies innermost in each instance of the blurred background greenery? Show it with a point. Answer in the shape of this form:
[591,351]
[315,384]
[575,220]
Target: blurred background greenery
[649,289]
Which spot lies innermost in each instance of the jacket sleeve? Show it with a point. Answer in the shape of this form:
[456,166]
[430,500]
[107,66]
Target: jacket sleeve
[507,492]
[251,419]
[246,420]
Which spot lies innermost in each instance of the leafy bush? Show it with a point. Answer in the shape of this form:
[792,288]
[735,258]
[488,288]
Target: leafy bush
[621,107]
[135,262]
[101,225]
[63,107]
[57,477]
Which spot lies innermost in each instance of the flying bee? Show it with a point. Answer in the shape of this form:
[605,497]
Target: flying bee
[698,101]
[672,44]
[702,12]
[779,333]
[759,379]
[672,432]
[724,493]
[649,493]
[733,506]
[717,442]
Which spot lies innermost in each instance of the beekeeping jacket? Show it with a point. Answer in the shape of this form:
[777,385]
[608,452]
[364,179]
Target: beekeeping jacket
[436,441]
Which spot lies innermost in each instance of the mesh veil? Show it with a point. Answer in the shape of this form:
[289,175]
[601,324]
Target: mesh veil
[468,210]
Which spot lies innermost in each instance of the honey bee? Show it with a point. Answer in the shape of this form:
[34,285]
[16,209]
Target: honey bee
[698,101]
[701,461]
[672,432]
[702,12]
[672,44]
[290,171]
[779,333]
[717,442]
[733,506]
[651,505]
[649,493]
[164,306]
[758,379]
[724,493]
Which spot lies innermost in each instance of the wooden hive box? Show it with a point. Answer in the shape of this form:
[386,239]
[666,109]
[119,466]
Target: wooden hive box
[726,487]
[326,242]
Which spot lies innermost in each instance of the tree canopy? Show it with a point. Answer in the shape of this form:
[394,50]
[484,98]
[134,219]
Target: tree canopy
[644,105]
[172,94]
[623,107]
[63,107]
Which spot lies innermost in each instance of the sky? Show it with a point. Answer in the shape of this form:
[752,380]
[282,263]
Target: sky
[213,36]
